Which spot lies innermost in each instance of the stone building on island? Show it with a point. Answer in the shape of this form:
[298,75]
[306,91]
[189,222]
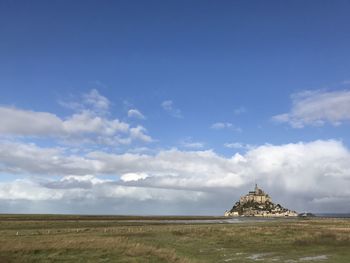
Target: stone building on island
[258,203]
[258,196]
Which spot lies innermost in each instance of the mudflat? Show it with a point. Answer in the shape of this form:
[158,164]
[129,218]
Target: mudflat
[51,238]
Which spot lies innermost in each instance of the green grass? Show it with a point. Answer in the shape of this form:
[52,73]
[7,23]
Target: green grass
[48,238]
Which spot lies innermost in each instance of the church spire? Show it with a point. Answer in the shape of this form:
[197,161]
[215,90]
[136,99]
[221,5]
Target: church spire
[256,190]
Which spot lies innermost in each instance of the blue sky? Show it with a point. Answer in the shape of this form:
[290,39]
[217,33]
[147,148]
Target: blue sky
[188,80]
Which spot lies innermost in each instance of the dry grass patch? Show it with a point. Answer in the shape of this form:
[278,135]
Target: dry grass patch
[93,241]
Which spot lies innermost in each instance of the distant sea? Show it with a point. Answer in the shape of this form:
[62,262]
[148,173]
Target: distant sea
[330,215]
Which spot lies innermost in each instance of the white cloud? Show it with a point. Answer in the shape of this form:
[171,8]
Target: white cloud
[239,145]
[25,189]
[221,125]
[20,122]
[225,125]
[92,101]
[128,177]
[79,126]
[317,108]
[21,158]
[139,133]
[189,143]
[297,174]
[84,126]
[134,113]
[75,182]
[194,145]
[103,191]
[239,110]
[86,122]
[96,101]
[168,106]
[140,150]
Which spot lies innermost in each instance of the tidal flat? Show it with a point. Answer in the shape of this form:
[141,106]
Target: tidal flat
[49,238]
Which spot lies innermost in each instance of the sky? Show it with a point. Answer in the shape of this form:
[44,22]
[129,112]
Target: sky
[173,107]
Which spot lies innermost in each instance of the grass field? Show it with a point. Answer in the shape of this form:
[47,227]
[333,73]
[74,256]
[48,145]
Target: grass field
[46,238]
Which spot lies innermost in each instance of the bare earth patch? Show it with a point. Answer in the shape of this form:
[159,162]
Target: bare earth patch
[314,258]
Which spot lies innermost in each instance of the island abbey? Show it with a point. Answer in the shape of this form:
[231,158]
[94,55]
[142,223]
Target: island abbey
[258,203]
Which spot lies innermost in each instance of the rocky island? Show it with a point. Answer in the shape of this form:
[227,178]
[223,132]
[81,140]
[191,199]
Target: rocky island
[258,203]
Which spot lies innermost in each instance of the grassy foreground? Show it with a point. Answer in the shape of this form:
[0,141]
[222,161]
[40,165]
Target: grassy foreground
[116,239]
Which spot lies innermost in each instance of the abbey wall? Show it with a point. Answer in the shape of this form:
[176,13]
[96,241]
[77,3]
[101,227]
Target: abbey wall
[258,203]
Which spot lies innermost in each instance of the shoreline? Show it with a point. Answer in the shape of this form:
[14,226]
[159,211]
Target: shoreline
[164,219]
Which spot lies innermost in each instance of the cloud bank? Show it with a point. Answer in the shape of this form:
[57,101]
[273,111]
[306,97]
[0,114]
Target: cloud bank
[311,176]
[70,164]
